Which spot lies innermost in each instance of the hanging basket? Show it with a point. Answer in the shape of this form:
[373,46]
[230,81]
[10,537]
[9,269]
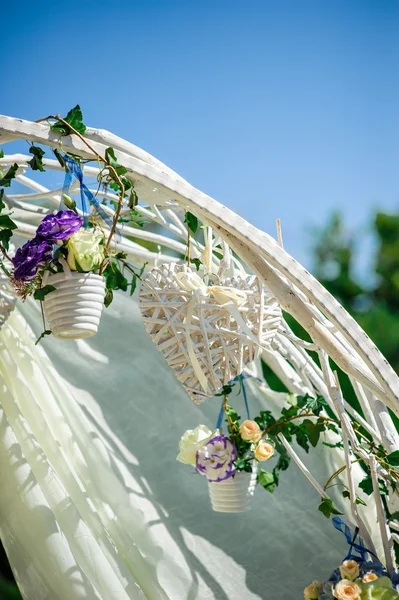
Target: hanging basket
[233,495]
[210,333]
[73,310]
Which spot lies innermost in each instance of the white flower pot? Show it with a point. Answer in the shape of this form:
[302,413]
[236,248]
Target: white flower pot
[234,494]
[74,309]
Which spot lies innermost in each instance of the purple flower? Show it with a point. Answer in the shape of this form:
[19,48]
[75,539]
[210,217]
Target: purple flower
[30,257]
[215,459]
[59,226]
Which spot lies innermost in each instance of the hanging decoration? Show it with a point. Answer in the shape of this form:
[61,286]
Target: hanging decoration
[70,265]
[361,576]
[229,462]
[208,332]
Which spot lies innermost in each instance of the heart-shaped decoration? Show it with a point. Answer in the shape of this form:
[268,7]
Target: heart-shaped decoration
[207,333]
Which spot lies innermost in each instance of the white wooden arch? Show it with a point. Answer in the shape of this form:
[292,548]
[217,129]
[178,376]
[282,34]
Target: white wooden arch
[163,197]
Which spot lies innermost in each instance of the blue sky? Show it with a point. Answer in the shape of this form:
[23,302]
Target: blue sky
[276,108]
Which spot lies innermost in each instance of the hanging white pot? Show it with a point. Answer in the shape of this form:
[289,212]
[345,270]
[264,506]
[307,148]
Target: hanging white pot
[234,494]
[207,333]
[74,309]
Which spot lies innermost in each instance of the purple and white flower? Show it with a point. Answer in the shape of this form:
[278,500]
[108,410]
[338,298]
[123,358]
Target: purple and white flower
[59,226]
[215,459]
[32,255]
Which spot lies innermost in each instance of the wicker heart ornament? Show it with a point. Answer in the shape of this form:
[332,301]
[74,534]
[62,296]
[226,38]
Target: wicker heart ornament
[207,333]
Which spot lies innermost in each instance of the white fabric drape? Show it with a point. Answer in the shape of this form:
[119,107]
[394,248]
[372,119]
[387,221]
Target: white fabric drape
[92,502]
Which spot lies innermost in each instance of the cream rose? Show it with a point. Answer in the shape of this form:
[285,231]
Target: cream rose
[368,577]
[264,451]
[191,441]
[349,570]
[85,250]
[250,431]
[347,590]
[313,591]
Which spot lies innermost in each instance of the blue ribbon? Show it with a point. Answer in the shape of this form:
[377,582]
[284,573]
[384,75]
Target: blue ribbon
[358,547]
[74,170]
[220,417]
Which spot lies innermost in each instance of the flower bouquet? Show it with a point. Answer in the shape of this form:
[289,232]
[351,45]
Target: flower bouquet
[230,463]
[58,266]
[356,578]
[70,266]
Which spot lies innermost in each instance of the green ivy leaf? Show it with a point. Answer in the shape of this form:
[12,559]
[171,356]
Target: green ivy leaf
[226,390]
[6,222]
[42,292]
[109,296]
[266,420]
[266,480]
[133,285]
[133,198]
[2,203]
[5,236]
[59,157]
[393,458]
[114,278]
[315,405]
[41,336]
[276,475]
[360,501]
[327,508]
[313,430]
[366,485]
[5,181]
[113,161]
[302,439]
[196,262]
[75,120]
[36,163]
[283,461]
[192,221]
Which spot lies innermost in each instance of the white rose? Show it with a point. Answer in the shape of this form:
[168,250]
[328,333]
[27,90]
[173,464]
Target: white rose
[85,250]
[191,441]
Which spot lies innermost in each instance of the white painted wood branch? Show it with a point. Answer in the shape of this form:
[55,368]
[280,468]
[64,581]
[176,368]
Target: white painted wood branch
[164,196]
[150,171]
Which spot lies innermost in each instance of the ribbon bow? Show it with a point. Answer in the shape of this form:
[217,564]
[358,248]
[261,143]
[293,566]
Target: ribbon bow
[226,297]
[74,170]
[358,546]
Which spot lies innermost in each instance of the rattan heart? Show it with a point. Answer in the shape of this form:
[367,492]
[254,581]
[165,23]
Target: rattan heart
[209,334]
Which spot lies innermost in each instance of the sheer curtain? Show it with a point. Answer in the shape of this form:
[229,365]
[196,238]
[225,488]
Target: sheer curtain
[92,501]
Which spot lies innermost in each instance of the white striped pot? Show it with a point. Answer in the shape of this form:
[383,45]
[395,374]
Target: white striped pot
[74,309]
[233,495]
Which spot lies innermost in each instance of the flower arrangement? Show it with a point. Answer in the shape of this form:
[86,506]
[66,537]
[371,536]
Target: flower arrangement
[70,265]
[221,458]
[59,235]
[356,578]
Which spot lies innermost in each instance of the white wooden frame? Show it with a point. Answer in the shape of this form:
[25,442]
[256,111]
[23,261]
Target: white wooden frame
[335,334]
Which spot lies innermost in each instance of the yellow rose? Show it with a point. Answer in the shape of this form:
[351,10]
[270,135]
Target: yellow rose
[368,577]
[250,431]
[349,570]
[264,451]
[191,441]
[347,590]
[85,250]
[313,591]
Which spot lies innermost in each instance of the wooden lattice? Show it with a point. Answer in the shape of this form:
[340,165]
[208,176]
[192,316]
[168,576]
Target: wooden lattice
[222,341]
